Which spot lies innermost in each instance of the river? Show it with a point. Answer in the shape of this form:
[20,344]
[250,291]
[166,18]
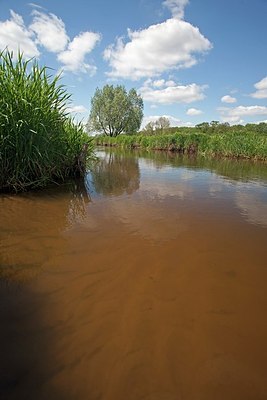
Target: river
[145,282]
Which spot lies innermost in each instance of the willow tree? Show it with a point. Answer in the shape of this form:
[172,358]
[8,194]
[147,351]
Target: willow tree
[115,111]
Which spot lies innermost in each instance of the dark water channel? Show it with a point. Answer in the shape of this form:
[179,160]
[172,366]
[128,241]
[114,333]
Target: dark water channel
[148,282]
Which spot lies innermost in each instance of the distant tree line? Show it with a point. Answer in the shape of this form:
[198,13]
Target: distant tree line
[218,127]
[162,126]
[115,111]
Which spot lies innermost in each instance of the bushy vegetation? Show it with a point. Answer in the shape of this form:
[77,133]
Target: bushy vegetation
[235,142]
[159,127]
[39,142]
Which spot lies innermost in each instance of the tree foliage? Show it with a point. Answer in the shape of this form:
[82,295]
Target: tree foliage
[157,126]
[115,111]
[162,123]
[149,128]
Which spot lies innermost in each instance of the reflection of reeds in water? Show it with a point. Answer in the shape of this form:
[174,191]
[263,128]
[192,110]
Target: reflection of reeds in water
[33,226]
[234,169]
[79,200]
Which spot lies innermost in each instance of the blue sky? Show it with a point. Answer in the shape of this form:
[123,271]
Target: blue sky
[192,61]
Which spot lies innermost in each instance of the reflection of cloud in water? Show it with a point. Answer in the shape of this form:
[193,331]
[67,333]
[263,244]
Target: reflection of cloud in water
[148,215]
[180,173]
[253,207]
[159,189]
[153,222]
[187,175]
[215,189]
[145,213]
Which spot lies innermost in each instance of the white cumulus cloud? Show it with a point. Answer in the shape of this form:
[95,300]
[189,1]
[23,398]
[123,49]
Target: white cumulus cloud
[172,44]
[228,99]
[172,94]
[235,115]
[79,109]
[15,36]
[73,59]
[153,118]
[50,31]
[34,5]
[174,121]
[159,83]
[176,7]
[194,111]
[261,92]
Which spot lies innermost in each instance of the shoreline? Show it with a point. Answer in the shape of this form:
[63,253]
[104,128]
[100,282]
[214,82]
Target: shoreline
[192,147]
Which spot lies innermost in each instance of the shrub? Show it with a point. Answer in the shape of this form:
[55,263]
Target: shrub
[230,144]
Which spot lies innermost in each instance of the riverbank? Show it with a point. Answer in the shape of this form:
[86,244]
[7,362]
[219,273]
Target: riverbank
[231,144]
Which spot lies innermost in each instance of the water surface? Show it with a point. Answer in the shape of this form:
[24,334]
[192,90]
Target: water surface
[148,281]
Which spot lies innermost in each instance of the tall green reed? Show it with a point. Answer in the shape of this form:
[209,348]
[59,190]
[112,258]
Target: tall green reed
[39,142]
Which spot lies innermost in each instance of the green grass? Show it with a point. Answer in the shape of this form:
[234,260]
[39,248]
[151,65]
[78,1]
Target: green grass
[39,142]
[231,144]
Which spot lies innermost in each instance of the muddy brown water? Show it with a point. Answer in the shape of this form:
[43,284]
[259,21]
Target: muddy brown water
[146,282]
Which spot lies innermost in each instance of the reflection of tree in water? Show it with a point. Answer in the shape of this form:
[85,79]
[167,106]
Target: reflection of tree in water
[33,226]
[116,174]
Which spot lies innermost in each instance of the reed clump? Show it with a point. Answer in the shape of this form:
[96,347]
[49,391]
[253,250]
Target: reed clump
[235,144]
[39,142]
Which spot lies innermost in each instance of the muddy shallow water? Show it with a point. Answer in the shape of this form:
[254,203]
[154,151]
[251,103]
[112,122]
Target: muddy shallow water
[146,282]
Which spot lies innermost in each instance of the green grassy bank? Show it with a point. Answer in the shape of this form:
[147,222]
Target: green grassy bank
[230,144]
[39,142]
